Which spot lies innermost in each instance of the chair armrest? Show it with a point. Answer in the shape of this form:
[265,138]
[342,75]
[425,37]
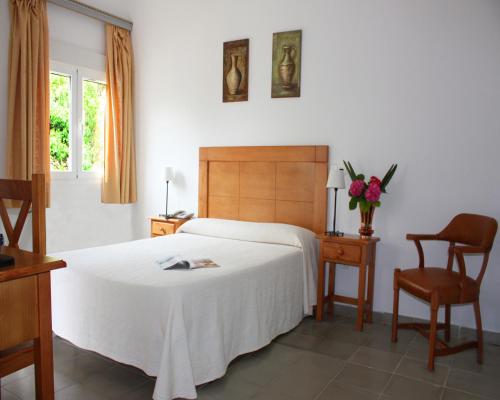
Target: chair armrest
[417,236]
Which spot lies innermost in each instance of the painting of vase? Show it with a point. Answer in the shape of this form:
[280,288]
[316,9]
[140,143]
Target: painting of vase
[287,52]
[235,71]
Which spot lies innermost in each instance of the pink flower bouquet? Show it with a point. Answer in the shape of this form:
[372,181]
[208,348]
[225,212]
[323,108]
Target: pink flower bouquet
[367,194]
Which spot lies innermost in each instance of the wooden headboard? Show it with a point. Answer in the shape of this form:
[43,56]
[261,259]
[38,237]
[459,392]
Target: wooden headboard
[284,184]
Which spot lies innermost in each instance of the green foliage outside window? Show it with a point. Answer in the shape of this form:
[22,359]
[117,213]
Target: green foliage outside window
[94,102]
[60,90]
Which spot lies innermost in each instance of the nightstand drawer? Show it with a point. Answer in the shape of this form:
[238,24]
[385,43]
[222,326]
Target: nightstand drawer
[341,252]
[162,228]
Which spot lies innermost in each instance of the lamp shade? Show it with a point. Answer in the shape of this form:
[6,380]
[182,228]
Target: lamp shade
[336,179]
[169,174]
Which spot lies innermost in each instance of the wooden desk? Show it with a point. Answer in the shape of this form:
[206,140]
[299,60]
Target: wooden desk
[25,317]
[347,250]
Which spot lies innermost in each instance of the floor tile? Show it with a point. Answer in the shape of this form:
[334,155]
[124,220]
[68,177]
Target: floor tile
[82,367]
[265,395]
[380,338]
[261,367]
[468,360]
[420,351]
[364,377]
[341,391]
[228,389]
[309,326]
[378,359]
[489,337]
[113,382]
[306,378]
[144,392]
[25,388]
[401,387]
[347,334]
[335,349]
[299,340]
[8,396]
[417,369]
[22,373]
[471,382]
[78,392]
[64,350]
[450,394]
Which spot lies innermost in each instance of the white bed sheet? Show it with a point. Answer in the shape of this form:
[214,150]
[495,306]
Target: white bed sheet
[184,327]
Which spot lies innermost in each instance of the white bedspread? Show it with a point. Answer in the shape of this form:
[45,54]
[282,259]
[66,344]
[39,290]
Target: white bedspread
[184,326]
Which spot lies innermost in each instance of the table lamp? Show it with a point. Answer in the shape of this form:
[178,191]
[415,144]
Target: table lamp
[169,177]
[335,181]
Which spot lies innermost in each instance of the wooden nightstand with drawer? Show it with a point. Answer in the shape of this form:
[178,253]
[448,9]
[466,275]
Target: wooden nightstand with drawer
[353,251]
[165,226]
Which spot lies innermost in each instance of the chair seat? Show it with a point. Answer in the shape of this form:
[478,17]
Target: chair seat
[421,282]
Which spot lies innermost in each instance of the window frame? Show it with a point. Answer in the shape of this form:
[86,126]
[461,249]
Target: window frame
[77,75]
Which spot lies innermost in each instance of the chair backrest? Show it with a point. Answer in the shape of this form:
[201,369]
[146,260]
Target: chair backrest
[472,230]
[32,195]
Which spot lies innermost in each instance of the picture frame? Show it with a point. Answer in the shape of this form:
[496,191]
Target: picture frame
[235,71]
[286,64]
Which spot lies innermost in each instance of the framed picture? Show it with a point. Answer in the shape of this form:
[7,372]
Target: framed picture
[235,71]
[287,53]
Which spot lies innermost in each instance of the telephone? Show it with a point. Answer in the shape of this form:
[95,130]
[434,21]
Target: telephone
[181,214]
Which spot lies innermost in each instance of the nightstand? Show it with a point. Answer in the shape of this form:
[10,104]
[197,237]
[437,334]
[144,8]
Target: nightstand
[165,226]
[353,251]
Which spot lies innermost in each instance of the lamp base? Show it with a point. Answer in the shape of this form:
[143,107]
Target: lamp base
[166,216]
[334,233]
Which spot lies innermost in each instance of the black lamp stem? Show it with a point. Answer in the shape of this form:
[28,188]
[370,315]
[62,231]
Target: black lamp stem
[166,203]
[335,213]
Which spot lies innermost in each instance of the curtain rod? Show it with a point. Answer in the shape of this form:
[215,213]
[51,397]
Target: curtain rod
[93,13]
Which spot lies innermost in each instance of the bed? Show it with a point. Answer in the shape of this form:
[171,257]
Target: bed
[185,327]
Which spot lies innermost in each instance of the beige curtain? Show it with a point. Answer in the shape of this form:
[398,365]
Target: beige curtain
[119,183]
[28,147]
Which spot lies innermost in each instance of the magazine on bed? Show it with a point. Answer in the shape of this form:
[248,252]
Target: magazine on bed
[177,262]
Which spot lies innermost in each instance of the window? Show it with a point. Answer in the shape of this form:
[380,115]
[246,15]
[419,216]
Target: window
[77,118]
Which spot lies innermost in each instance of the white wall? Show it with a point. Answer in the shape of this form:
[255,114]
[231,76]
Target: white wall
[77,218]
[412,82]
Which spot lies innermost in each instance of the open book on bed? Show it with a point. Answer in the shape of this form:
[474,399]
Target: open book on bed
[177,262]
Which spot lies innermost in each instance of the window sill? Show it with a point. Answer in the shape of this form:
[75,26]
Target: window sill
[74,179]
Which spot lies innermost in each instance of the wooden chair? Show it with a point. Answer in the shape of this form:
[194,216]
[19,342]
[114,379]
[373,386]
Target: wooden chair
[32,196]
[443,286]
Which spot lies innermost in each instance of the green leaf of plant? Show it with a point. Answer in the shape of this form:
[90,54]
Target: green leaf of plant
[364,205]
[388,176]
[377,204]
[350,170]
[353,203]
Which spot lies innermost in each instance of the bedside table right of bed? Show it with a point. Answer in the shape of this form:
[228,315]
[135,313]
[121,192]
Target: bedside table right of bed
[354,251]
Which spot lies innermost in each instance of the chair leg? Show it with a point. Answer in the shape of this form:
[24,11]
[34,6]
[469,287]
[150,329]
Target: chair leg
[447,319]
[479,332]
[395,306]
[433,331]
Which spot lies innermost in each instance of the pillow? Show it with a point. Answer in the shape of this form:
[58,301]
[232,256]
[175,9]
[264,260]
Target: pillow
[261,232]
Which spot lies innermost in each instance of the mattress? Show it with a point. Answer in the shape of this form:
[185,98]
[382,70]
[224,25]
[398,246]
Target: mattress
[185,326]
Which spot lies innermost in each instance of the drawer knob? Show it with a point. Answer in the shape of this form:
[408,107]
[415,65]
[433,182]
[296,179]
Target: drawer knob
[340,252]
[162,230]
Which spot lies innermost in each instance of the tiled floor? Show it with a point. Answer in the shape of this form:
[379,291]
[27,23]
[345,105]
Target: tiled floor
[328,360]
